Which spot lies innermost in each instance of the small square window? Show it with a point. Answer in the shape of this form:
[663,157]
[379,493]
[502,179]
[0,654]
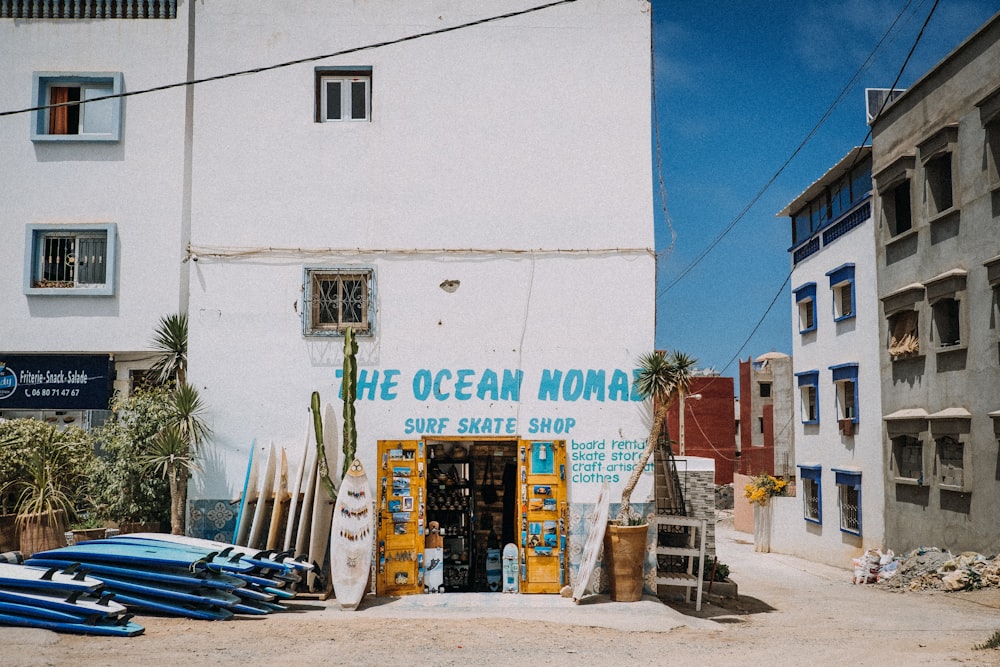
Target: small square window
[71,259]
[73,108]
[765,389]
[337,299]
[343,94]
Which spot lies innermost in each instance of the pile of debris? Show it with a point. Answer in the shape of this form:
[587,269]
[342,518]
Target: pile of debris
[930,568]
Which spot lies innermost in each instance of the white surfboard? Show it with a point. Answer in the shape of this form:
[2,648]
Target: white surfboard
[295,490]
[304,528]
[41,579]
[322,514]
[280,503]
[352,537]
[596,525]
[249,499]
[262,512]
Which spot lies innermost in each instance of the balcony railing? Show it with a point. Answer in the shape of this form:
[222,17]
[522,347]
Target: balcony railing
[832,232]
[88,9]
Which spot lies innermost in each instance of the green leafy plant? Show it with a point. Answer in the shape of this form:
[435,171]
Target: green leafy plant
[662,376]
[992,643]
[715,570]
[172,457]
[170,342]
[323,468]
[43,469]
[121,489]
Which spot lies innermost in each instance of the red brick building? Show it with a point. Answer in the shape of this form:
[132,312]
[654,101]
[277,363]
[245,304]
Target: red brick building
[709,424]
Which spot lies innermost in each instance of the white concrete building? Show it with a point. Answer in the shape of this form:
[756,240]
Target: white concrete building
[473,199]
[838,509]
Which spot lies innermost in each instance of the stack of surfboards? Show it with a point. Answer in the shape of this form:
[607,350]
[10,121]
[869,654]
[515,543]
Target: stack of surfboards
[291,512]
[61,600]
[181,576]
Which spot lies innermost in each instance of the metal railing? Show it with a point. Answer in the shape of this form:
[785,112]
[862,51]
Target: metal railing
[88,9]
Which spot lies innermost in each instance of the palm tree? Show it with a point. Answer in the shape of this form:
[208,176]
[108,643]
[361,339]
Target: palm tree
[174,448]
[170,342]
[662,377]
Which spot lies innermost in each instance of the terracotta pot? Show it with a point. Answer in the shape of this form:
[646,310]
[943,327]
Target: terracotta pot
[624,557]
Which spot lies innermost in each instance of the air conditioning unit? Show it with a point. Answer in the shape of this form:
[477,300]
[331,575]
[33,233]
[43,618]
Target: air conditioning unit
[876,98]
[846,426]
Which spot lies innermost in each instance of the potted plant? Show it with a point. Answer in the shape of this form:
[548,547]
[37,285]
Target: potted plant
[662,377]
[51,465]
[759,492]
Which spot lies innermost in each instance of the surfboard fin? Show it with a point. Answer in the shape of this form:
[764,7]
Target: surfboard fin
[49,573]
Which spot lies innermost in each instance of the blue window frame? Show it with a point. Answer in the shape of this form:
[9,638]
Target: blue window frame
[80,114]
[845,377]
[812,493]
[805,299]
[62,260]
[842,287]
[808,382]
[849,492]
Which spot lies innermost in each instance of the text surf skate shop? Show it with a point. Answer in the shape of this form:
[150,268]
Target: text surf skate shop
[472,496]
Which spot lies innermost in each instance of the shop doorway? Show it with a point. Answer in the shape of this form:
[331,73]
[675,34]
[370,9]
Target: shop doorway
[482,494]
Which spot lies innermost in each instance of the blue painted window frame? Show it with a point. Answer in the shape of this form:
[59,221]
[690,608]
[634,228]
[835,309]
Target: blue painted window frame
[843,274]
[814,473]
[33,238]
[42,81]
[809,379]
[847,373]
[805,296]
[850,478]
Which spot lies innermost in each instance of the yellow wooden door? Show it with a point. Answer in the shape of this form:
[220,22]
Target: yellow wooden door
[402,493]
[543,515]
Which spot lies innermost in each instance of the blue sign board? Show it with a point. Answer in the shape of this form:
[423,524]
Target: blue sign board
[55,382]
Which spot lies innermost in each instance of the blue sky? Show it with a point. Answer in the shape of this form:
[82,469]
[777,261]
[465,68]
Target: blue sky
[739,85]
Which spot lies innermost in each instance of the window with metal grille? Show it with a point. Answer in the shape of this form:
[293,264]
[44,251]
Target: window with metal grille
[850,508]
[337,299]
[76,258]
[812,498]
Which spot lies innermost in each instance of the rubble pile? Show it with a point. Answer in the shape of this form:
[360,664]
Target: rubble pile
[930,568]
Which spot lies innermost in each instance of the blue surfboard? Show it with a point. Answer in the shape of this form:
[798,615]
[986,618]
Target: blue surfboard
[103,628]
[208,597]
[150,555]
[182,578]
[19,609]
[45,579]
[74,603]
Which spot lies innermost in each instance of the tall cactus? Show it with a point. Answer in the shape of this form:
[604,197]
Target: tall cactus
[349,391]
[323,466]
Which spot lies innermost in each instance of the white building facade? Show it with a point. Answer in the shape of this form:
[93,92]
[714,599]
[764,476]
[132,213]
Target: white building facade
[473,201]
[838,510]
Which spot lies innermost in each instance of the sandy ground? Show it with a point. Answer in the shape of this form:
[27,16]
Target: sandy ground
[789,612]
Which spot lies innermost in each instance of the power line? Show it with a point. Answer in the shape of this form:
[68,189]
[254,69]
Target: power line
[746,209]
[299,61]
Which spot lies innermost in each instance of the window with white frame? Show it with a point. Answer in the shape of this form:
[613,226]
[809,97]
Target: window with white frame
[77,106]
[842,287]
[908,458]
[805,299]
[809,400]
[343,94]
[70,259]
[336,299]
[849,497]
[812,493]
[845,379]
